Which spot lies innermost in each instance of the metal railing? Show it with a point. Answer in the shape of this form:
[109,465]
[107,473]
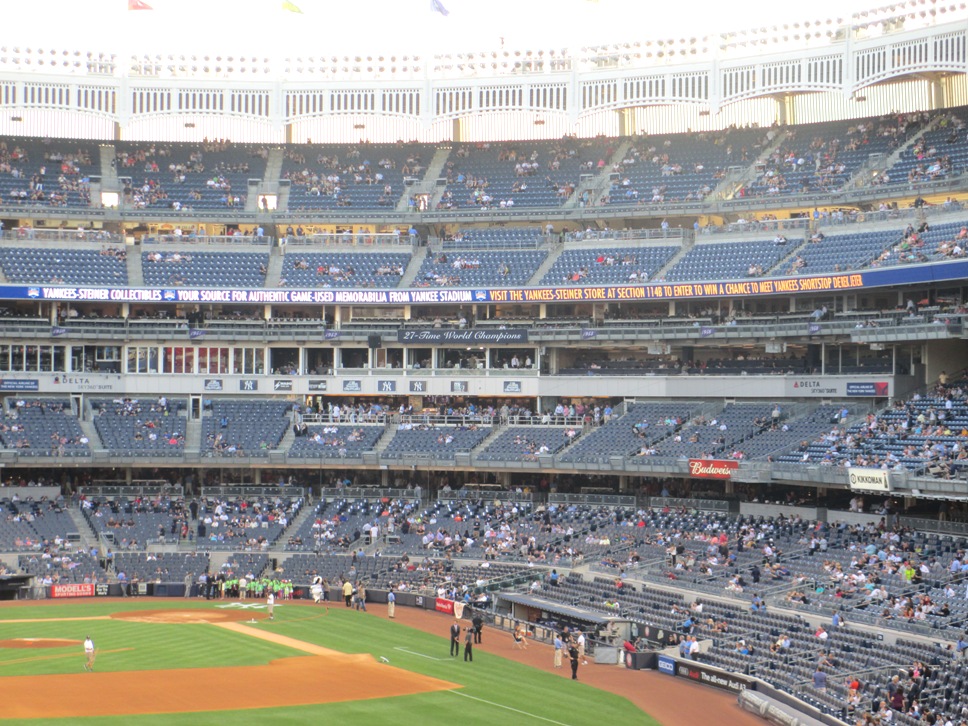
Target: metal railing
[351,240]
[192,238]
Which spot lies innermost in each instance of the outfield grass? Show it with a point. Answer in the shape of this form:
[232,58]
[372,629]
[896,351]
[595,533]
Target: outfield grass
[495,690]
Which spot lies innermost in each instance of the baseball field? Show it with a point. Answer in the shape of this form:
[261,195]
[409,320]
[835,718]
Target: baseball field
[196,662]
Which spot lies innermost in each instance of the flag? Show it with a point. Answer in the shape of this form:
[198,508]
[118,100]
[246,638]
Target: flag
[438,7]
[291,7]
[139,5]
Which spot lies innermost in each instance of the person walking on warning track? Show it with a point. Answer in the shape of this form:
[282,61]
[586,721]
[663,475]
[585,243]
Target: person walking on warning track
[348,593]
[478,627]
[469,644]
[89,654]
[574,656]
[391,604]
[455,638]
[559,647]
[271,604]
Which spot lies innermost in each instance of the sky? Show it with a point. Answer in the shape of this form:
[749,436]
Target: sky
[326,26]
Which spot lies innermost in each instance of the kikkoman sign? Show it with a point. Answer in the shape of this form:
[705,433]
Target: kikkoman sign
[712,468]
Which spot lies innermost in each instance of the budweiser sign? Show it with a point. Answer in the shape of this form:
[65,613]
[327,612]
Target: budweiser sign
[712,468]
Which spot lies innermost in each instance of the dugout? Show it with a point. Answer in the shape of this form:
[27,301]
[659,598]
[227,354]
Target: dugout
[549,616]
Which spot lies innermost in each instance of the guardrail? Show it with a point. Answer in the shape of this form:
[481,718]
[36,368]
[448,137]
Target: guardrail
[158,487]
[190,238]
[615,500]
[367,493]
[249,490]
[471,491]
[350,239]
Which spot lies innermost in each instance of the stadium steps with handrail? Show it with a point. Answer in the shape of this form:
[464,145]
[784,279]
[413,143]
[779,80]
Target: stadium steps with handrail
[861,178]
[193,436]
[428,182]
[410,274]
[553,253]
[274,268]
[109,170]
[136,275]
[88,539]
[90,430]
[274,166]
[601,182]
[688,242]
[278,549]
[727,188]
[784,262]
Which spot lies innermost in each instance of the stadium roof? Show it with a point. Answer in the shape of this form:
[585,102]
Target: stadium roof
[276,26]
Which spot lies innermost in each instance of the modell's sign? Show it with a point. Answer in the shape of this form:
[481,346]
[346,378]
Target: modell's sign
[712,468]
[77,590]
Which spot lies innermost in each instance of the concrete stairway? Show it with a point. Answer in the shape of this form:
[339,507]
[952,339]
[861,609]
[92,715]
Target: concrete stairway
[410,274]
[727,188]
[136,275]
[688,242]
[109,171]
[861,178]
[88,538]
[90,430]
[193,436]
[287,440]
[553,253]
[274,269]
[279,547]
[274,166]
[602,181]
[428,183]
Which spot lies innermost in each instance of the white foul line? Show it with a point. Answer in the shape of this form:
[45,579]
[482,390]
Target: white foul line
[428,657]
[500,705]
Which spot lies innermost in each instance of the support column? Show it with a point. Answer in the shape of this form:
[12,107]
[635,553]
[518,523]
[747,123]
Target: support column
[626,122]
[939,95]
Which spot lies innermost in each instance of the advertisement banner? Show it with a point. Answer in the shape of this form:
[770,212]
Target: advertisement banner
[19,384]
[463,337]
[873,480]
[317,385]
[712,468]
[667,665]
[75,590]
[444,606]
[707,676]
[278,385]
[812,284]
[873,389]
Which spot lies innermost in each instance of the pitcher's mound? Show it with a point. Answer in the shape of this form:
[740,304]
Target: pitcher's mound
[189,616]
[38,643]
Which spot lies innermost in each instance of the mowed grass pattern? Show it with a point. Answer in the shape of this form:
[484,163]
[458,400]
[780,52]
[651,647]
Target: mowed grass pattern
[495,690]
